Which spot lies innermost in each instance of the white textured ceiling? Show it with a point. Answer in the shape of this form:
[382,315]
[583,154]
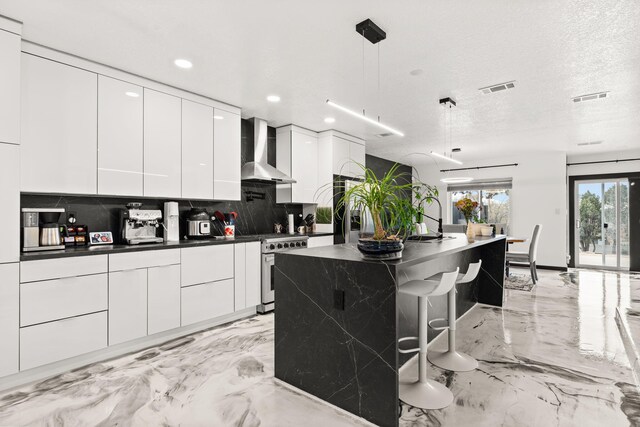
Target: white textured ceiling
[308,51]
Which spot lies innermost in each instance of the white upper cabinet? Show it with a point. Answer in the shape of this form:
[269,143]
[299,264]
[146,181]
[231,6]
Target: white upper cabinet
[341,157]
[358,157]
[197,150]
[10,200]
[162,144]
[297,156]
[9,87]
[226,155]
[120,142]
[59,127]
[348,152]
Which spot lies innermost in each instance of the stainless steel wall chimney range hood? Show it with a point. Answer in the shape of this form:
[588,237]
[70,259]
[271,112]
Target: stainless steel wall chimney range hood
[259,170]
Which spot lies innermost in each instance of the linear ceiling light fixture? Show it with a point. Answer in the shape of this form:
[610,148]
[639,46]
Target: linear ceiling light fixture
[374,34]
[363,117]
[456,179]
[442,156]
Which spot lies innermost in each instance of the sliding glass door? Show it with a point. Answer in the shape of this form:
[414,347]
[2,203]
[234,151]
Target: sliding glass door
[602,223]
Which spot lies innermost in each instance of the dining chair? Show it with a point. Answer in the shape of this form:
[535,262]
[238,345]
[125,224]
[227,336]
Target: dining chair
[530,256]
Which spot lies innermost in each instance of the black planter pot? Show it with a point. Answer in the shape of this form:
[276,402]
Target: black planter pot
[380,249]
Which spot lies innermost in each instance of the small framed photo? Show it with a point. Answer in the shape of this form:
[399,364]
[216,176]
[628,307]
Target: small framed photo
[101,238]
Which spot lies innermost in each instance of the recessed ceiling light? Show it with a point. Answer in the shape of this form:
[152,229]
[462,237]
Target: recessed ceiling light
[218,117]
[273,98]
[183,63]
[329,120]
[416,72]
[132,94]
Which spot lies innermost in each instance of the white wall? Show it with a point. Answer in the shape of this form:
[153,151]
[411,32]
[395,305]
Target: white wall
[539,196]
[604,168]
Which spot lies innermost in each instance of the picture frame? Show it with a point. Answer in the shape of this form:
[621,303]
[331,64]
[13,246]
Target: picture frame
[101,238]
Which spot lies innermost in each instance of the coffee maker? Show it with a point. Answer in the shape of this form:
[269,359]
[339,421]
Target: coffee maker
[140,225]
[41,230]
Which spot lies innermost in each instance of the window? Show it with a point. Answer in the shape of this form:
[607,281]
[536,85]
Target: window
[493,197]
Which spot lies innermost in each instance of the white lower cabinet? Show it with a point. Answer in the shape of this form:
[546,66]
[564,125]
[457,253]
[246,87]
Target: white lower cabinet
[60,298]
[207,301]
[206,264]
[127,305]
[164,298]
[247,275]
[9,318]
[53,341]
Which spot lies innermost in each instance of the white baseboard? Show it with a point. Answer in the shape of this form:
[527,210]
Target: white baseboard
[46,371]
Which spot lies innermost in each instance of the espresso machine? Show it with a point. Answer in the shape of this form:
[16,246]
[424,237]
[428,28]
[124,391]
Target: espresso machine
[140,225]
[41,230]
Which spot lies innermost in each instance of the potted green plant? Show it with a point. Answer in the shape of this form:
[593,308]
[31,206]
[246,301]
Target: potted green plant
[392,208]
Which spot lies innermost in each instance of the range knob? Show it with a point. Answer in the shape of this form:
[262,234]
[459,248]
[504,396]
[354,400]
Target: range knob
[279,245]
[286,245]
[304,243]
[272,246]
[298,244]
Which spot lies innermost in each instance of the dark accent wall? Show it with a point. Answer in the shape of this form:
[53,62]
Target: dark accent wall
[381,166]
[101,213]
[634,215]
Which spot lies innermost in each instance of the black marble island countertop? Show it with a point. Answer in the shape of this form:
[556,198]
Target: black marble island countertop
[339,316]
[414,252]
[185,243]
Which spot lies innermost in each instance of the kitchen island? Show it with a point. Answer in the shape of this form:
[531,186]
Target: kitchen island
[338,316]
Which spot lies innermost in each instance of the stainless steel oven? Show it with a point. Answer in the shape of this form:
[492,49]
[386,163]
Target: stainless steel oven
[270,247]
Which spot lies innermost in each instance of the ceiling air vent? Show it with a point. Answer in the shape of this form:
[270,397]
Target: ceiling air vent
[498,87]
[590,97]
[582,144]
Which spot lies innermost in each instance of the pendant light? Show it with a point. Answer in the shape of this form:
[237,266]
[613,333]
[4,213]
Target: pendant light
[449,103]
[370,31]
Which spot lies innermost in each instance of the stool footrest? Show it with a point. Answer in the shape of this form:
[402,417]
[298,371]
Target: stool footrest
[439,327]
[410,350]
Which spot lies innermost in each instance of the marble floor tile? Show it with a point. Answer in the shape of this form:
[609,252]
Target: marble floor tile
[220,377]
[551,357]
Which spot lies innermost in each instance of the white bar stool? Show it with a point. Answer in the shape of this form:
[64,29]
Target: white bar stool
[452,359]
[425,393]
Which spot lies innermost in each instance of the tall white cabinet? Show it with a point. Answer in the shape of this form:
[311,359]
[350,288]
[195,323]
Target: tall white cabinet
[297,156]
[120,145]
[59,127]
[197,150]
[9,86]
[162,144]
[10,202]
[9,318]
[345,153]
[226,155]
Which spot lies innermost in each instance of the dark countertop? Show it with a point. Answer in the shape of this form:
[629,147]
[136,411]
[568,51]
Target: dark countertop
[413,253]
[114,249]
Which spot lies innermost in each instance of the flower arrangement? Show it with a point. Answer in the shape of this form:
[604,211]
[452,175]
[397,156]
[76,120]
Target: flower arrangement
[469,208]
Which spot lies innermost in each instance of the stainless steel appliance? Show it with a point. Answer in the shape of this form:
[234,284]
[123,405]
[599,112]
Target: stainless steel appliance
[259,170]
[41,230]
[271,246]
[198,224]
[140,225]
